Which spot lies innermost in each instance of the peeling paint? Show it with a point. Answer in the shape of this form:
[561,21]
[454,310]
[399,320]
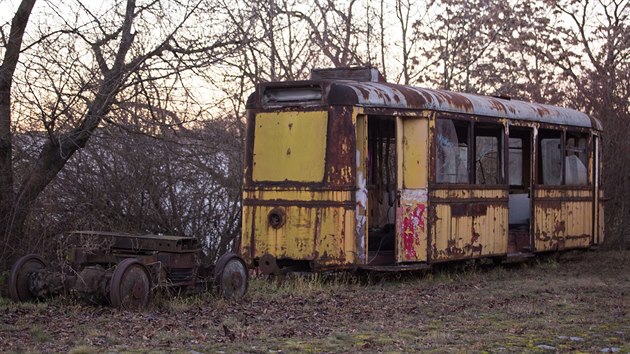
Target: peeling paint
[411,219]
[361,219]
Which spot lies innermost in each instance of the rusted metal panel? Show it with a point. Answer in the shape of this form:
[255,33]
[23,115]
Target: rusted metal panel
[340,154]
[122,241]
[379,94]
[322,233]
[294,239]
[563,218]
[468,193]
[465,229]
[331,237]
[412,226]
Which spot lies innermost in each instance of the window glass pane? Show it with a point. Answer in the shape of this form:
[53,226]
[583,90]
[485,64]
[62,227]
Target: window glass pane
[452,151]
[576,160]
[551,157]
[516,162]
[487,160]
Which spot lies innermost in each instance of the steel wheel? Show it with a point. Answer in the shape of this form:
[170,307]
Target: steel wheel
[19,280]
[130,287]
[231,276]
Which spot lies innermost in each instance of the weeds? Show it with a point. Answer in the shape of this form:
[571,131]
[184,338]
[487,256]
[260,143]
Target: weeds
[474,308]
[305,284]
[39,334]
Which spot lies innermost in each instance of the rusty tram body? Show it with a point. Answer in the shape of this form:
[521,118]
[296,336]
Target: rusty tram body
[347,171]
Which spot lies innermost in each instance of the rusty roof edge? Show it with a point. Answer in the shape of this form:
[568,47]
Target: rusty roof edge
[376,94]
[388,95]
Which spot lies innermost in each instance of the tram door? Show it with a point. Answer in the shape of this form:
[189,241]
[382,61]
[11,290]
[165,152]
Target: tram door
[392,177]
[520,197]
[381,172]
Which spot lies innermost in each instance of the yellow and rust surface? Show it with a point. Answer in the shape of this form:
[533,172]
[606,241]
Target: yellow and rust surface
[298,203]
[563,218]
[468,223]
[361,194]
[290,146]
[317,225]
[411,214]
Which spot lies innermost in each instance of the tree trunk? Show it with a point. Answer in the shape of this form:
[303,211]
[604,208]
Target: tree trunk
[11,219]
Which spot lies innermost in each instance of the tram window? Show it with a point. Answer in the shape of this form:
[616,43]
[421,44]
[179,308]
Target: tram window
[550,165]
[452,151]
[488,154]
[516,161]
[576,159]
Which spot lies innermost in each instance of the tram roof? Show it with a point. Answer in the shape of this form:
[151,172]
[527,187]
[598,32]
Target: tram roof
[376,93]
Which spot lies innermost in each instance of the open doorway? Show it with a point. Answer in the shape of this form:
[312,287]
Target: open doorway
[382,191]
[520,167]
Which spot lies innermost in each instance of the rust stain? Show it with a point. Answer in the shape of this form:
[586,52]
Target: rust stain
[478,210]
[497,105]
[467,209]
[459,210]
[559,228]
[339,155]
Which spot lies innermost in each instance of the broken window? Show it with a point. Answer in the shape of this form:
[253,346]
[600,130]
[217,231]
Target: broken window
[563,163]
[516,161]
[451,151]
[576,159]
[550,145]
[488,154]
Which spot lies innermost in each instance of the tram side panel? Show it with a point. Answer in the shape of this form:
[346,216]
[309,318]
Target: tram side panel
[297,200]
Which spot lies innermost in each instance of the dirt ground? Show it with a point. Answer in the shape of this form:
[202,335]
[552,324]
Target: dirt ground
[579,302]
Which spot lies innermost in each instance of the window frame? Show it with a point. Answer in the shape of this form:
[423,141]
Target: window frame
[486,124]
[565,134]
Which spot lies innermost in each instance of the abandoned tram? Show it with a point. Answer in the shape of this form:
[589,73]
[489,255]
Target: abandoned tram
[347,171]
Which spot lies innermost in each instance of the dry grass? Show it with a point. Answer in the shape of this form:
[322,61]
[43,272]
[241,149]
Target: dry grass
[577,303]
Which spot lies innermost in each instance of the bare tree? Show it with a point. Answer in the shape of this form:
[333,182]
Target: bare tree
[93,63]
[459,38]
[334,29]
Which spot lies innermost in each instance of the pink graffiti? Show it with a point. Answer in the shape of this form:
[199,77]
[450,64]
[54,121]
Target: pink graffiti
[411,226]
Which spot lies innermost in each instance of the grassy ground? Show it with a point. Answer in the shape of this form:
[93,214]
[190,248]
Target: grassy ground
[577,303]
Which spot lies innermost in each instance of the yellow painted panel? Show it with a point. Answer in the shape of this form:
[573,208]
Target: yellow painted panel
[469,236]
[414,148]
[468,193]
[246,233]
[350,250]
[321,234]
[562,223]
[579,224]
[290,146]
[295,239]
[440,232]
[331,236]
[560,193]
[298,195]
[361,219]
[399,152]
[549,227]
